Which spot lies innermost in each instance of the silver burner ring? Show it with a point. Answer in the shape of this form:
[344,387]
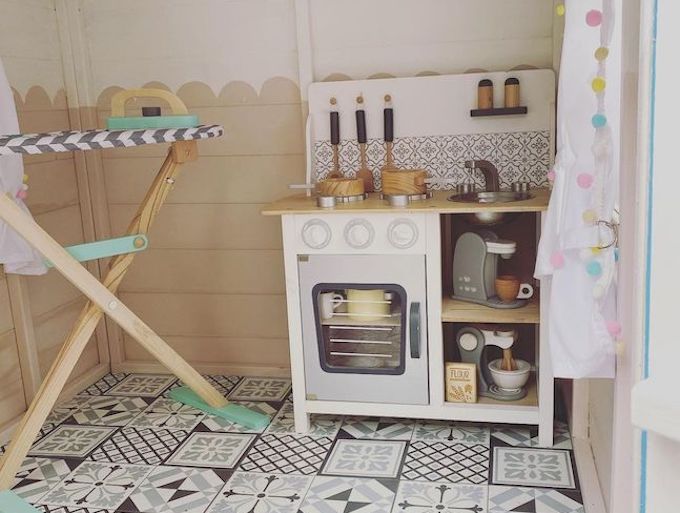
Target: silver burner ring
[402,200]
[331,201]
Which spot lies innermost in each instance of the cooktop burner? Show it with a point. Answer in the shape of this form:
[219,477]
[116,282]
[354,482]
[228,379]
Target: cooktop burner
[402,200]
[331,201]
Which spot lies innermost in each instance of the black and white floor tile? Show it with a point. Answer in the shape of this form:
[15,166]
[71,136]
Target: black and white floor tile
[123,446]
[249,492]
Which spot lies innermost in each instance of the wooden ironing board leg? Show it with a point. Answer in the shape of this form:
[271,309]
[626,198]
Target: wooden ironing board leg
[102,298]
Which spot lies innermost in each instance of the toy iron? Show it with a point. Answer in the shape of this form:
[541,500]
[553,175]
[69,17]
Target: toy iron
[151,116]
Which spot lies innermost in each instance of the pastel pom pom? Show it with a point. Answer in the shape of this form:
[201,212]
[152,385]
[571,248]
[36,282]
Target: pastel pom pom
[614,328]
[599,120]
[601,53]
[616,254]
[595,250]
[594,268]
[598,84]
[585,180]
[25,178]
[22,194]
[551,175]
[557,260]
[589,216]
[560,10]
[594,18]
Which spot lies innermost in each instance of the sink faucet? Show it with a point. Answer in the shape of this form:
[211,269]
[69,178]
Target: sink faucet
[491,181]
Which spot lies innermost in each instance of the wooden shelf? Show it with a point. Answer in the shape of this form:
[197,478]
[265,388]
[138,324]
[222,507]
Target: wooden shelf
[454,310]
[499,111]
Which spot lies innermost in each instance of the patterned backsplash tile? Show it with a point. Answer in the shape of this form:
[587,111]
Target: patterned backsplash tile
[519,156]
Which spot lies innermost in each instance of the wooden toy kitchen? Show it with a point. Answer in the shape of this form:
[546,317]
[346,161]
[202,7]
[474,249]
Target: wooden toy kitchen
[409,257]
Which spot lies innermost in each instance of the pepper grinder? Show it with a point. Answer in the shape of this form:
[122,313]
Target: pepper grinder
[485,94]
[511,93]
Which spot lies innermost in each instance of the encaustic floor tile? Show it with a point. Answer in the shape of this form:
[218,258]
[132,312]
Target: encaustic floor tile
[261,389]
[97,485]
[508,499]
[287,454]
[452,432]
[140,446]
[248,492]
[365,458]
[71,441]
[378,428]
[443,461]
[38,476]
[417,497]
[533,467]
[212,450]
[168,414]
[321,425]
[142,385]
[176,490]
[347,494]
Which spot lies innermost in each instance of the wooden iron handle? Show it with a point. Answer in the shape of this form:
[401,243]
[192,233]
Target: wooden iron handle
[122,97]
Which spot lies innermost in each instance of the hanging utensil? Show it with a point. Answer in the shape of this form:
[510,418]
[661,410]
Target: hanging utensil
[364,173]
[335,140]
[388,129]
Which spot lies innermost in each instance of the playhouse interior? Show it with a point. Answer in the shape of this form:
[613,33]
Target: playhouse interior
[213,281]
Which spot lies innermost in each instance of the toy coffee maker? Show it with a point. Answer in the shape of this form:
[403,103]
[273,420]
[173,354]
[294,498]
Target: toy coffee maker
[475,272]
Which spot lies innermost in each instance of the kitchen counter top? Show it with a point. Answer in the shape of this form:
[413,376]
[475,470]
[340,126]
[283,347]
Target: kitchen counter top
[302,204]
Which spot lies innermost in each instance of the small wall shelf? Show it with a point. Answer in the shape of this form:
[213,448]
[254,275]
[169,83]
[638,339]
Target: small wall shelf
[499,111]
[454,310]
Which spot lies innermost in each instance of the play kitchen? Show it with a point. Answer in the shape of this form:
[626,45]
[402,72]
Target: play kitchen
[409,257]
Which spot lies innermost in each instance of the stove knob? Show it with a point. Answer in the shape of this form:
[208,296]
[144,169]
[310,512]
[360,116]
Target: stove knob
[359,233]
[316,234]
[402,233]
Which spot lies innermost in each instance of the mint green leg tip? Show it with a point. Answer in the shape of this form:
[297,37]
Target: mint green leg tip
[10,502]
[232,412]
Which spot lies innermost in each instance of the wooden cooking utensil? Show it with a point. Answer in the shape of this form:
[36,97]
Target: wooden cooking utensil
[508,363]
[388,128]
[335,140]
[364,173]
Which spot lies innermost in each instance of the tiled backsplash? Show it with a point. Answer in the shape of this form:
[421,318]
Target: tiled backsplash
[519,156]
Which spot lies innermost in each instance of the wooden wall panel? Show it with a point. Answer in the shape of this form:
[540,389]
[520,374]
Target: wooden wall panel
[231,179]
[232,315]
[222,351]
[206,226]
[12,402]
[207,271]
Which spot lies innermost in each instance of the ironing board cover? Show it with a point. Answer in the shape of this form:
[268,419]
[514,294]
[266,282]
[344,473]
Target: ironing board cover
[59,142]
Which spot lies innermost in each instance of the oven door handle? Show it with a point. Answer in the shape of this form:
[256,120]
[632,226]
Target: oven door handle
[414,325]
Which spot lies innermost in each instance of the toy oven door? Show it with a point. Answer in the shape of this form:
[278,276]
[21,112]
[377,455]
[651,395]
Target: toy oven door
[364,327]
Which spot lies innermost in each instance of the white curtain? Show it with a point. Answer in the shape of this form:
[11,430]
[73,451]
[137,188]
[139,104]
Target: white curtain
[15,253]
[576,254]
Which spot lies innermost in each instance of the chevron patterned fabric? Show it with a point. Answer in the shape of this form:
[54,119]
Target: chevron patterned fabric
[58,142]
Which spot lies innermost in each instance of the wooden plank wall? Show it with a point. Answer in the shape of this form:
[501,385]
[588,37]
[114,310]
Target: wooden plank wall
[30,50]
[212,282]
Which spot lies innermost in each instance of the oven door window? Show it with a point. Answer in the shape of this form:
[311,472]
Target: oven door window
[361,329]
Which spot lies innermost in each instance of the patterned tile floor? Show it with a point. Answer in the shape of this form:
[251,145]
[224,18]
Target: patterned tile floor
[123,447]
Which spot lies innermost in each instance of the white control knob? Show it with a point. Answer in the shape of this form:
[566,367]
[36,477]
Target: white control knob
[316,234]
[402,233]
[359,233]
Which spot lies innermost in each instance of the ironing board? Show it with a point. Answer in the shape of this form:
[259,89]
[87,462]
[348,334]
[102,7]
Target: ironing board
[101,295]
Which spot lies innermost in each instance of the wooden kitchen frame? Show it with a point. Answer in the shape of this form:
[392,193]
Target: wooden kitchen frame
[536,409]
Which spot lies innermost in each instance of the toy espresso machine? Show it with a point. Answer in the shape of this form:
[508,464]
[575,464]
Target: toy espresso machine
[475,271]
[504,378]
